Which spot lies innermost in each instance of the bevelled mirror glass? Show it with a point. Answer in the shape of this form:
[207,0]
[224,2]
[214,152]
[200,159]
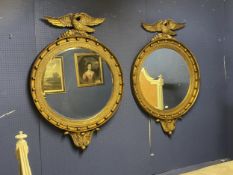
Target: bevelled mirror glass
[76,82]
[165,75]
[168,68]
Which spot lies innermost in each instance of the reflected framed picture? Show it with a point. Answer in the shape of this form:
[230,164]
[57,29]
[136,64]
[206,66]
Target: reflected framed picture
[53,80]
[89,71]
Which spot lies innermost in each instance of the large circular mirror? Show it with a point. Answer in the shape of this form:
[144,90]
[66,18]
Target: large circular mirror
[76,82]
[165,76]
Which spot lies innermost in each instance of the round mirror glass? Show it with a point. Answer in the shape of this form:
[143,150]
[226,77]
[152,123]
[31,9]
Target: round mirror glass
[77,83]
[164,79]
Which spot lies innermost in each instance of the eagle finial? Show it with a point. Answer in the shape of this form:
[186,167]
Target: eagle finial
[79,23]
[164,27]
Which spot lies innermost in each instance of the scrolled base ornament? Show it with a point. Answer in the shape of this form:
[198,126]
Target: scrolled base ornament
[81,139]
[168,126]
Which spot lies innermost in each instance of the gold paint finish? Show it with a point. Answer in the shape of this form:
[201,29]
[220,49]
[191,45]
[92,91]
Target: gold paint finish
[80,130]
[80,22]
[168,117]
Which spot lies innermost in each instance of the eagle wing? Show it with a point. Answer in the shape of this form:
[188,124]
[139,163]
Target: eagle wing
[96,21]
[156,27]
[89,20]
[174,25]
[63,21]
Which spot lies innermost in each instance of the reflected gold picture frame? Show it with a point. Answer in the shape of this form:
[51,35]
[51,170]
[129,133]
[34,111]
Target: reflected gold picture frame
[57,66]
[80,70]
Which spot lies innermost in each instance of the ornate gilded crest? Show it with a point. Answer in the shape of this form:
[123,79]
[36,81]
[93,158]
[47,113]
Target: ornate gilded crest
[164,28]
[78,24]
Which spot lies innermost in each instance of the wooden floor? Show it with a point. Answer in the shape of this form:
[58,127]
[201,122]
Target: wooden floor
[195,167]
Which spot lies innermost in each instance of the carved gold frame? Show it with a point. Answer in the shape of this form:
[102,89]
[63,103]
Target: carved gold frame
[167,118]
[81,130]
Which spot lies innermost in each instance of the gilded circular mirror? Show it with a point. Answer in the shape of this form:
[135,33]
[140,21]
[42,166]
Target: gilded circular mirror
[165,76]
[76,82]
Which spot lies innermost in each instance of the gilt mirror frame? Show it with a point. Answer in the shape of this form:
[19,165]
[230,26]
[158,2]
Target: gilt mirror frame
[165,39]
[80,130]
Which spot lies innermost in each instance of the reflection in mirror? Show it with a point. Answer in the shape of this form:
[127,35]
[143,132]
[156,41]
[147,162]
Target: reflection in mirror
[77,83]
[53,79]
[164,79]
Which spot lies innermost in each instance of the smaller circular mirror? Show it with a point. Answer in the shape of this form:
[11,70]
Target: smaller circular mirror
[165,76]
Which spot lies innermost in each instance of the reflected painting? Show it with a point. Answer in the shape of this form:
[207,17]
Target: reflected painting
[88,69]
[53,80]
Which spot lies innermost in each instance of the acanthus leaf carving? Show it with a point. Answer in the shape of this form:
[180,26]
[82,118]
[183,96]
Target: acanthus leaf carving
[81,139]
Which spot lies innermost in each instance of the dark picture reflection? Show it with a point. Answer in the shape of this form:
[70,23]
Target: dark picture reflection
[88,69]
[53,80]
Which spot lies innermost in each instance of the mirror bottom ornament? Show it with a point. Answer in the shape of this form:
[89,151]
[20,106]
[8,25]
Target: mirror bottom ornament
[168,125]
[81,139]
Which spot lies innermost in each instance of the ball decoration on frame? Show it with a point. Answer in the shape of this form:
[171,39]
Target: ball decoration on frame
[165,75]
[76,82]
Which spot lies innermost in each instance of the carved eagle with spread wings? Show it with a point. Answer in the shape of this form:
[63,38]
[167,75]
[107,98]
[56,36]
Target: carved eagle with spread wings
[81,22]
[164,26]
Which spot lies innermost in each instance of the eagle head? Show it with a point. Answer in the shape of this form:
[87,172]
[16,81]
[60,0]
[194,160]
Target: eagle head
[86,19]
